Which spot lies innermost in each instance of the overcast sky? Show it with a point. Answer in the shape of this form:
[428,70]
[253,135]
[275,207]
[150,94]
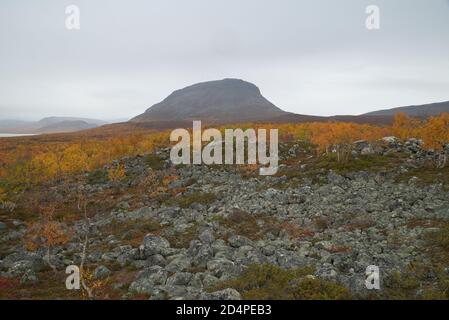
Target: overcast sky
[309,57]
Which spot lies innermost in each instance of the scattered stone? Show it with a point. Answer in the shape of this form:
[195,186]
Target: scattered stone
[101,272]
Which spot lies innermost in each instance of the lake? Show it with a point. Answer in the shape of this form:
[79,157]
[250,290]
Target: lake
[9,135]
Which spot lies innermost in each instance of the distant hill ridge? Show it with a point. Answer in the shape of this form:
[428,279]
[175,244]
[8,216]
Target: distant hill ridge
[66,126]
[49,125]
[426,110]
[53,120]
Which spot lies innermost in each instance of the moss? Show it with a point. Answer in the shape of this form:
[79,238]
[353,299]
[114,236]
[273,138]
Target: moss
[270,282]
[154,162]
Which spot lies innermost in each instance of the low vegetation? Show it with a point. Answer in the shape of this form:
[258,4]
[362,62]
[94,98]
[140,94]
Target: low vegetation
[132,231]
[256,226]
[419,282]
[426,175]
[31,171]
[270,282]
[253,227]
[197,197]
[182,239]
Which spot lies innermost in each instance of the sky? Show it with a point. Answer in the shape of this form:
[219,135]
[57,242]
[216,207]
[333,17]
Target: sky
[308,57]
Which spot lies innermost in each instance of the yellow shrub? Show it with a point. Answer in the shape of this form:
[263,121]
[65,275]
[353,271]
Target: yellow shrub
[117,174]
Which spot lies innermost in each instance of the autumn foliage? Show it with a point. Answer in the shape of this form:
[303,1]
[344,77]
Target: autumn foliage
[31,163]
[45,233]
[339,137]
[26,164]
[117,174]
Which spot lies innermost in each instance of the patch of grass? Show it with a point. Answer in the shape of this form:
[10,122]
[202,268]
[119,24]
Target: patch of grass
[316,167]
[426,175]
[321,223]
[340,249]
[132,231]
[270,282]
[50,286]
[197,197]
[418,282]
[154,162]
[97,176]
[182,239]
[420,222]
[254,227]
[295,231]
[190,182]
[118,285]
[360,224]
[427,279]
[437,242]
[372,163]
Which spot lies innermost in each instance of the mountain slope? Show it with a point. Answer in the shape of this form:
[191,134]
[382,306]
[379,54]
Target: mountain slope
[425,110]
[227,100]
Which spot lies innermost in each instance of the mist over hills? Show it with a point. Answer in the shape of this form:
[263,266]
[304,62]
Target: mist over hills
[49,125]
[54,120]
[66,126]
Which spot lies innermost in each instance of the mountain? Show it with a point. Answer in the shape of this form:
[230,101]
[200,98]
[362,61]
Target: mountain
[225,101]
[423,111]
[54,120]
[66,126]
[49,125]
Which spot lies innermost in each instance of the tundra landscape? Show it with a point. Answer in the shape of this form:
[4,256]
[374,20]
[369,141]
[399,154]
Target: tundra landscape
[212,150]
[345,196]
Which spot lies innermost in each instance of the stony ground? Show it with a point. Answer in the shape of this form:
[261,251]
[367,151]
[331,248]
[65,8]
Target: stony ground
[190,232]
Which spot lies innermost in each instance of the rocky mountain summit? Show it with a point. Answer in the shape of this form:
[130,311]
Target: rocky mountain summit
[190,232]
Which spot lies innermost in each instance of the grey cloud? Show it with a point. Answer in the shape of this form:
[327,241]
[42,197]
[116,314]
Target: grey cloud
[128,56]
